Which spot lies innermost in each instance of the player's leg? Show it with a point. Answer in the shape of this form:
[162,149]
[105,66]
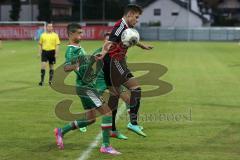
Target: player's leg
[113,102]
[87,119]
[125,96]
[51,72]
[111,77]
[52,61]
[106,128]
[102,87]
[121,75]
[94,100]
[135,90]
[43,66]
[43,71]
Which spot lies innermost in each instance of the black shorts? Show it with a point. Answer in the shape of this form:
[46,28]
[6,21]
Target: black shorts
[48,56]
[116,72]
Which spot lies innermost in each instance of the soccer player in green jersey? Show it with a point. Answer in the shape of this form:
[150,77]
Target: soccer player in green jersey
[76,61]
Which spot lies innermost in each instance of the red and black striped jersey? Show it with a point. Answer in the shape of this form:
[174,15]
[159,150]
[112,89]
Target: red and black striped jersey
[117,50]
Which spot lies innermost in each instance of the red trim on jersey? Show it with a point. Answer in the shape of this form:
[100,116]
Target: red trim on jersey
[117,50]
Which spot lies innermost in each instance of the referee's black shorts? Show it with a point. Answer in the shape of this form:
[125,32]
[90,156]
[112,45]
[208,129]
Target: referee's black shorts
[116,72]
[48,56]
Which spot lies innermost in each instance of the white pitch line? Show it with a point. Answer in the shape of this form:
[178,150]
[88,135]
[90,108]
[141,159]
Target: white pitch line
[86,154]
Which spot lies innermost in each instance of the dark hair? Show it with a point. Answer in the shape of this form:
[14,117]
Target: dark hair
[133,8]
[71,28]
[106,34]
[49,23]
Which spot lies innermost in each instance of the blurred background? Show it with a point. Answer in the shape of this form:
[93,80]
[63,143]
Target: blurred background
[196,40]
[161,19]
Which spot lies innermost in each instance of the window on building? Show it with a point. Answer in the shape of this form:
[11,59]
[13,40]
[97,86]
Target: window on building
[175,13]
[157,12]
[60,11]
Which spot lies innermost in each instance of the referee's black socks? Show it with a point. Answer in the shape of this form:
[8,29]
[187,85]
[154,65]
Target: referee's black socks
[51,72]
[42,74]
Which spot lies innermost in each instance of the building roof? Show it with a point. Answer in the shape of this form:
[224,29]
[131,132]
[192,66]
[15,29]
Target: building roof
[179,2]
[186,5]
[61,2]
[145,3]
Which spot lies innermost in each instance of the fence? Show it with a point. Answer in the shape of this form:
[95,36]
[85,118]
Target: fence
[190,34]
[147,33]
[25,32]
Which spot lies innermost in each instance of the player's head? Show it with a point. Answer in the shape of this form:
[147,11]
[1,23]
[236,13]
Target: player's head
[131,14]
[106,36]
[74,31]
[49,27]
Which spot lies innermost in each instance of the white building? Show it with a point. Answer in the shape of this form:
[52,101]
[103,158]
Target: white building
[172,13]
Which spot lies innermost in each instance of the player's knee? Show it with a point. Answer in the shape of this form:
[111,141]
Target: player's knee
[136,92]
[114,91]
[135,96]
[91,121]
[113,101]
[108,114]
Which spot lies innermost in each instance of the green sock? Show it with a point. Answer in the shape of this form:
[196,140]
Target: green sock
[74,125]
[106,128]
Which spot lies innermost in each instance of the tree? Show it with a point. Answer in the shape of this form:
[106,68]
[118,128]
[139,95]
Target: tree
[16,8]
[212,3]
[45,12]
[220,17]
[2,1]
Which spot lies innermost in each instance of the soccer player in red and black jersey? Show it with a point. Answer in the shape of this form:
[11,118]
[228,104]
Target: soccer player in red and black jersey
[116,72]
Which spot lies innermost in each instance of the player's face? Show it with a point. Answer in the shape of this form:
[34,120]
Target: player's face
[133,18]
[77,35]
[49,27]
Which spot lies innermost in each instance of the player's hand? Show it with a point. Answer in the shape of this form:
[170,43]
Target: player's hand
[146,47]
[56,55]
[77,66]
[99,57]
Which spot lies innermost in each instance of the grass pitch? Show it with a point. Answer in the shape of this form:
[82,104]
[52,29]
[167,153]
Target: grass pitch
[198,119]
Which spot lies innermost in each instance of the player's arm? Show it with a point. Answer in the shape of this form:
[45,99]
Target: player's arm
[57,45]
[57,50]
[71,67]
[146,47]
[105,49]
[115,36]
[71,63]
[40,46]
